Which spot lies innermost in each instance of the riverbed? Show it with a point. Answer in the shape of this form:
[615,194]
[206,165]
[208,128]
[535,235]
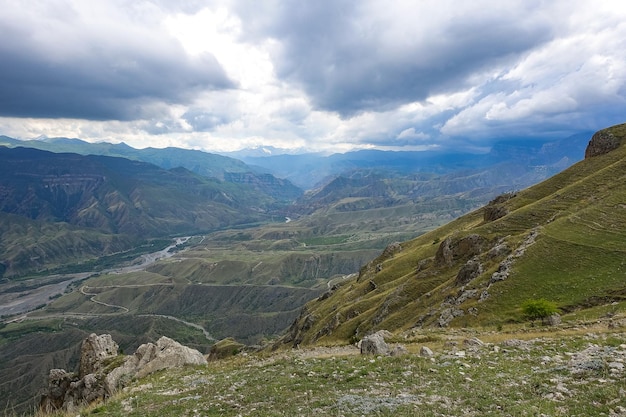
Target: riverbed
[41,291]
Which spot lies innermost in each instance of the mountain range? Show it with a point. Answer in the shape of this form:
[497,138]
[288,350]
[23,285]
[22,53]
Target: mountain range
[251,282]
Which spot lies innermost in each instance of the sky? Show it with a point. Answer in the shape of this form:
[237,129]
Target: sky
[323,75]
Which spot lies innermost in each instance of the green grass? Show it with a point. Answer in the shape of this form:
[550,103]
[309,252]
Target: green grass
[539,377]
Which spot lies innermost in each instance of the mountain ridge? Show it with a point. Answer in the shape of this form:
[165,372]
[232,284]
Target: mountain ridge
[117,197]
[561,239]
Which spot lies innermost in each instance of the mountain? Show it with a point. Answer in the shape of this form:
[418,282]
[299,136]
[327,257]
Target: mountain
[202,163]
[465,184]
[71,206]
[561,240]
[312,170]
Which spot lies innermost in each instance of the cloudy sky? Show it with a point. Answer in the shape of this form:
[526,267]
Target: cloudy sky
[328,75]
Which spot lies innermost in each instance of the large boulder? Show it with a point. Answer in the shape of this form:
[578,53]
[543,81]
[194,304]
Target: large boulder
[375,344]
[149,358]
[469,271]
[167,353]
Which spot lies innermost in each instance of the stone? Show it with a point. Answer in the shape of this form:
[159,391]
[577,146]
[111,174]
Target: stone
[468,272]
[59,381]
[374,344]
[99,378]
[94,351]
[492,213]
[167,353]
[473,341]
[426,352]
[552,320]
[399,350]
[451,250]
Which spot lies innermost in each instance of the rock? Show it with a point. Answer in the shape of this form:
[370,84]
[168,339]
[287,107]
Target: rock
[167,353]
[521,344]
[473,341]
[94,351]
[500,249]
[225,348]
[447,315]
[426,352]
[59,381]
[491,213]
[374,344]
[468,272]
[601,142]
[552,320]
[392,249]
[102,373]
[451,250]
[399,350]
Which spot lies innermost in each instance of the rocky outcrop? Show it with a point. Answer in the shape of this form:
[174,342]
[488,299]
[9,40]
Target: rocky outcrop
[102,371]
[451,250]
[94,351]
[468,272]
[495,209]
[601,142]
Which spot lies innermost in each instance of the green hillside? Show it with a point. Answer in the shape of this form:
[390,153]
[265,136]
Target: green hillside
[563,240]
[57,209]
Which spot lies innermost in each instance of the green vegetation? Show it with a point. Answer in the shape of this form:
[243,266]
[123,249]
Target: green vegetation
[538,309]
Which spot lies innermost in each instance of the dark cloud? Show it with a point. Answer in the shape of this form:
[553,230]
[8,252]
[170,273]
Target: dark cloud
[55,67]
[349,60]
[203,121]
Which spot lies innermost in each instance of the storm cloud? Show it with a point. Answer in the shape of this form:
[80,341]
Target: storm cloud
[88,61]
[372,56]
[325,75]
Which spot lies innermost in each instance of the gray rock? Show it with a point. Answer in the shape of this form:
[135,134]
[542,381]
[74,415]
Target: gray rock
[447,315]
[399,350]
[552,320]
[167,354]
[94,351]
[468,272]
[374,344]
[99,378]
[426,352]
[473,341]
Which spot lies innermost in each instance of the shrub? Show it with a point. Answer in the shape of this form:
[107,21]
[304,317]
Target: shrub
[538,309]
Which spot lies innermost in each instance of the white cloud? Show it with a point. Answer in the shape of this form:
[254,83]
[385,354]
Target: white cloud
[326,75]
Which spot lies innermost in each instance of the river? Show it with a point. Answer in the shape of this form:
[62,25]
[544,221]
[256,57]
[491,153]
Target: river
[14,301]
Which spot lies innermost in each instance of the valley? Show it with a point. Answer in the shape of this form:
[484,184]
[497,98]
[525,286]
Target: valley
[253,259]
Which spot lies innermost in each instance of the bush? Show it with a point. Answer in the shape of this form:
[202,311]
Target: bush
[538,309]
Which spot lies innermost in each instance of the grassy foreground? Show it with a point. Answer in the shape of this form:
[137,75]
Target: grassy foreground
[574,371]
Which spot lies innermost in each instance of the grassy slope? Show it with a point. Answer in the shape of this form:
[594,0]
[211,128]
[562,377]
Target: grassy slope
[568,373]
[576,261]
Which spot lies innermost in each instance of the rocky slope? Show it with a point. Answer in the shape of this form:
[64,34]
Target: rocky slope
[562,240]
[572,370]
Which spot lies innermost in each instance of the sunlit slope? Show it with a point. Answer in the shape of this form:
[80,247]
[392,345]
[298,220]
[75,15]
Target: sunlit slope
[563,240]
